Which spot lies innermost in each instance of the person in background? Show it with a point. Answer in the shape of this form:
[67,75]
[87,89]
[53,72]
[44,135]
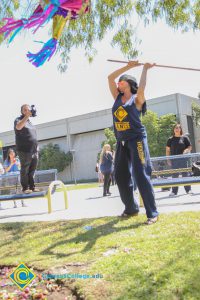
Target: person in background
[12,164]
[100,175]
[1,173]
[27,149]
[113,173]
[106,168]
[1,169]
[176,145]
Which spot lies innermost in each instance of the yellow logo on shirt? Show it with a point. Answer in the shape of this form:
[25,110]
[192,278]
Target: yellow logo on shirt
[122,126]
[120,113]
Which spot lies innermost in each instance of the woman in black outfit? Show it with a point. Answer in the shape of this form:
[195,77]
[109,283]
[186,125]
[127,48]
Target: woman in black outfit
[176,145]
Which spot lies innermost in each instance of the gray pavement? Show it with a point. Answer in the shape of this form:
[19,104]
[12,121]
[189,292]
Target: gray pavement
[89,203]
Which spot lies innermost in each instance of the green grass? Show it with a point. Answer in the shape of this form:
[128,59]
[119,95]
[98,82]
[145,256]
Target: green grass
[79,186]
[158,262]
[82,186]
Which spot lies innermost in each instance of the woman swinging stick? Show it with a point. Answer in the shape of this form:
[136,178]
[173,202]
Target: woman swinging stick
[132,159]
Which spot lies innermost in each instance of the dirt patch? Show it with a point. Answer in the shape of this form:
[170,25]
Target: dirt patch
[40,288]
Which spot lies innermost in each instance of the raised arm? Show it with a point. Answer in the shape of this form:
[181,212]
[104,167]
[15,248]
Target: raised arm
[140,99]
[20,124]
[111,78]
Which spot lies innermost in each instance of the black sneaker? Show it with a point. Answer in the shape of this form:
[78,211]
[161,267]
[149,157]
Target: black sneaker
[27,191]
[124,215]
[35,190]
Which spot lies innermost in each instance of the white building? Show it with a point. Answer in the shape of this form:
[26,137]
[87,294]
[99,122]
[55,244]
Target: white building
[84,134]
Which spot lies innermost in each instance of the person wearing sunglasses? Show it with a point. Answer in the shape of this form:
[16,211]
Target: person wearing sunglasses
[132,159]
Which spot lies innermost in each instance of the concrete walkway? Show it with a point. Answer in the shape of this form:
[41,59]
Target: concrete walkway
[89,203]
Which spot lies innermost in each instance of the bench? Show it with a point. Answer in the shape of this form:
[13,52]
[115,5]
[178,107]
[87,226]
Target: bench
[162,178]
[45,180]
[184,181]
[162,171]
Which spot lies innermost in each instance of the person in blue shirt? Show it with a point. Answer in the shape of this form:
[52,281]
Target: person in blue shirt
[132,159]
[1,173]
[12,164]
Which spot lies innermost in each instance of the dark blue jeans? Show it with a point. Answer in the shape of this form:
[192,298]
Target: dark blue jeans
[133,157]
[106,184]
[28,166]
[177,164]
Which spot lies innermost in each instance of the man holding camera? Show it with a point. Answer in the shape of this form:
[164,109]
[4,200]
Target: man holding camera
[27,148]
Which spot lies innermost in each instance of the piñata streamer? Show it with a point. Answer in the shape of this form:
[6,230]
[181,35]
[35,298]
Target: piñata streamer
[49,48]
[59,10]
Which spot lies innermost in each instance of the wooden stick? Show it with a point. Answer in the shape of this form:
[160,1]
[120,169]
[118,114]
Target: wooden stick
[161,66]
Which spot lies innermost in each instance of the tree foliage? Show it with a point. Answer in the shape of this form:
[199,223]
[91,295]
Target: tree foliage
[159,129]
[165,124]
[7,9]
[110,139]
[51,157]
[150,121]
[196,113]
[115,17]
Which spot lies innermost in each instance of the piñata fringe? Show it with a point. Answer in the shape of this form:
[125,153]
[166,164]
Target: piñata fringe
[12,25]
[48,50]
[46,15]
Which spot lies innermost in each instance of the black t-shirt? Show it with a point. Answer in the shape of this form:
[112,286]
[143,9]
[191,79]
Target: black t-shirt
[178,144]
[26,138]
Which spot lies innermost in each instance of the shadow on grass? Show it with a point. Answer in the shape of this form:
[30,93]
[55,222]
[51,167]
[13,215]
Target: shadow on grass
[18,230]
[30,227]
[90,237]
[177,278]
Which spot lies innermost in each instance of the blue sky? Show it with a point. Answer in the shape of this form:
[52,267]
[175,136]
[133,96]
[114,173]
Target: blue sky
[83,88]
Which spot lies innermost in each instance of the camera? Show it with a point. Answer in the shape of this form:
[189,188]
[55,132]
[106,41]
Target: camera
[33,111]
